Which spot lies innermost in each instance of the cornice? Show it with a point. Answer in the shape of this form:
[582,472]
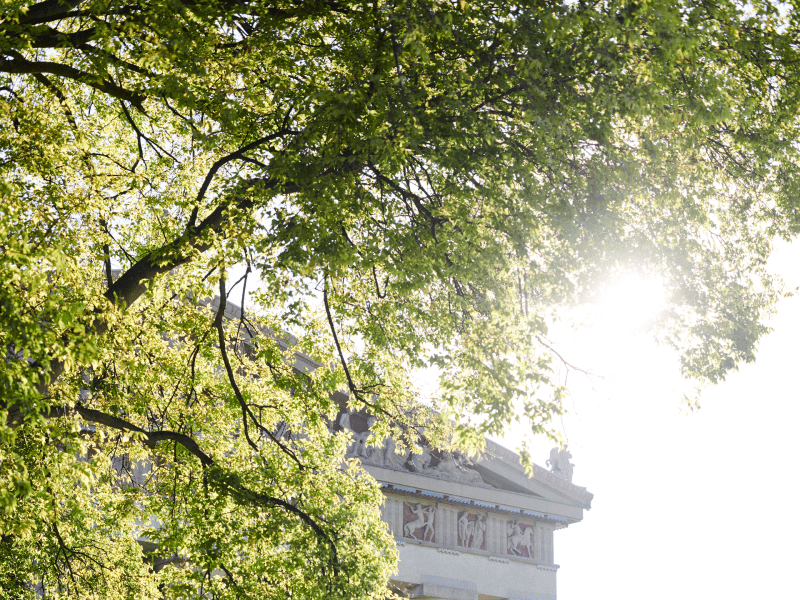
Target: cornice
[420,495]
[576,492]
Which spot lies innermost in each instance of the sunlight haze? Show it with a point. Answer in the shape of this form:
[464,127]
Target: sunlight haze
[687,505]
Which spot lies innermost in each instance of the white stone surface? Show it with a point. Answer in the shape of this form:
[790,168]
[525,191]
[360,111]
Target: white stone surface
[489,578]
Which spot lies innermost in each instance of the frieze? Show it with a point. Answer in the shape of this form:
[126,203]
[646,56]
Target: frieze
[455,530]
[390,488]
[472,530]
[418,517]
[520,539]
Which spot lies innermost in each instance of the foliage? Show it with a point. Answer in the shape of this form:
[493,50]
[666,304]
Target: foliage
[414,183]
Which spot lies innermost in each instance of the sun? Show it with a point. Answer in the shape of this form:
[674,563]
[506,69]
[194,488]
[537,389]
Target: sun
[632,303]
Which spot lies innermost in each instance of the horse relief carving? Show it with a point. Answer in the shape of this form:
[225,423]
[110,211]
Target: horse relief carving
[416,517]
[520,539]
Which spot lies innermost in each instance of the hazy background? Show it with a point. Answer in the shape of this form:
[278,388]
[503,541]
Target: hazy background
[687,505]
[694,506]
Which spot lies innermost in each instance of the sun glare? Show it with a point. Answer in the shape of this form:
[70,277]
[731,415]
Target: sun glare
[631,304]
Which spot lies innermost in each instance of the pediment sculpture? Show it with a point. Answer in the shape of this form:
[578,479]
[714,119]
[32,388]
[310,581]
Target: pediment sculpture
[451,466]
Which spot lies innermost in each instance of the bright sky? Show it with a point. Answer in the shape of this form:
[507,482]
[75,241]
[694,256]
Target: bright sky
[689,506]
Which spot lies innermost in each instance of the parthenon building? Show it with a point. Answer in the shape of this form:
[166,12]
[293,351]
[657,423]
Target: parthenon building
[465,530]
[472,531]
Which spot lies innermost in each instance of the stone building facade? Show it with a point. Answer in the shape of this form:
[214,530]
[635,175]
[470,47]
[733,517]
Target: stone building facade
[467,530]
[478,529]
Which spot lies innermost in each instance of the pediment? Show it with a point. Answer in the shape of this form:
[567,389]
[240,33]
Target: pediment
[497,478]
[506,465]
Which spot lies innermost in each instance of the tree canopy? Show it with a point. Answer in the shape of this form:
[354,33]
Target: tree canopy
[412,184]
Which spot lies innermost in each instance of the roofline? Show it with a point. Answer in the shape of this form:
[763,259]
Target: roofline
[575,492]
[306,364]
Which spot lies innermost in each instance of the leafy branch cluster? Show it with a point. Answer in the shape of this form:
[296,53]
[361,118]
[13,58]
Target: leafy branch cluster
[413,184]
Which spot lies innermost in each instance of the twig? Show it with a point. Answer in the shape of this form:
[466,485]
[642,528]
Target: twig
[246,412]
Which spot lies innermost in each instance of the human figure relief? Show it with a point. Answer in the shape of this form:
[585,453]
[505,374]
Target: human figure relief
[513,531]
[465,529]
[423,521]
[429,516]
[393,457]
[479,533]
[452,467]
[361,439]
[520,539]
[466,474]
[447,467]
[421,461]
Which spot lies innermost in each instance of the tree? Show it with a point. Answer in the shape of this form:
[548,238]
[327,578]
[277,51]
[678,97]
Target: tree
[415,184]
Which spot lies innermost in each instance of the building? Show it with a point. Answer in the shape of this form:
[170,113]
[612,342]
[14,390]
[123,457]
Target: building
[467,530]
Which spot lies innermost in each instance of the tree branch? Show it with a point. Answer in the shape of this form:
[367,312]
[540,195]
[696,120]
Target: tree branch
[218,476]
[130,285]
[48,9]
[238,154]
[350,383]
[229,484]
[151,438]
[218,325]
[22,66]
[141,136]
[53,38]
[246,412]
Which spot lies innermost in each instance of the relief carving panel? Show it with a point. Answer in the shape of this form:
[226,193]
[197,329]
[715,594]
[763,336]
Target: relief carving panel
[472,531]
[520,539]
[418,517]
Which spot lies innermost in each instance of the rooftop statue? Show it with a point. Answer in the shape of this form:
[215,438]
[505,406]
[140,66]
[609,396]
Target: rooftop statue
[559,463]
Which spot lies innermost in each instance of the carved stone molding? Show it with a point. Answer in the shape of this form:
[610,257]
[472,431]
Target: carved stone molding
[448,551]
[499,559]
